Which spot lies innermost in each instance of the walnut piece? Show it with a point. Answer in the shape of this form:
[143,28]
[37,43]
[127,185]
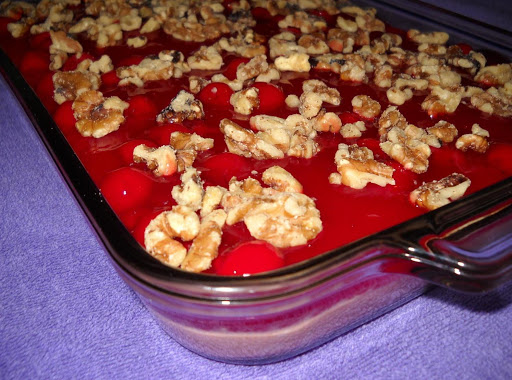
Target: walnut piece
[284,219]
[183,107]
[70,84]
[190,192]
[162,161]
[476,140]
[365,106]
[358,167]
[245,101]
[435,194]
[444,131]
[98,116]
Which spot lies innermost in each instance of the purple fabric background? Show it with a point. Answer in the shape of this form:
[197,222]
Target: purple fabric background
[64,312]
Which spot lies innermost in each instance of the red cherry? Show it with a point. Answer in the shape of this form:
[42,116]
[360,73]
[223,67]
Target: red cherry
[349,117]
[466,49]
[230,70]
[216,94]
[260,13]
[141,106]
[64,117]
[271,97]
[250,258]
[126,150]
[110,79]
[126,188]
[500,156]
[34,62]
[219,169]
[74,60]
[41,41]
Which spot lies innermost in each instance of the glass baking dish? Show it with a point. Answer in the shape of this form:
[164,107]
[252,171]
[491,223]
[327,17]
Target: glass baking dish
[465,246]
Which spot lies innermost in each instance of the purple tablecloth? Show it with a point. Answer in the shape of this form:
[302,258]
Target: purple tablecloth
[64,312]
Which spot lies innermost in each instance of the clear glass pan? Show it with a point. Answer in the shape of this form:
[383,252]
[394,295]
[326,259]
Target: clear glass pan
[465,246]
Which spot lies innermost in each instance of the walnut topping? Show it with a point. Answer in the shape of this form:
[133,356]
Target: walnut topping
[246,143]
[183,107]
[101,66]
[281,180]
[315,93]
[70,84]
[391,117]
[383,75]
[137,42]
[494,101]
[292,101]
[212,199]
[130,21]
[444,131]
[402,89]
[365,106]
[98,116]
[306,22]
[313,43]
[284,219]
[476,140]
[327,122]
[351,69]
[196,84]
[206,58]
[245,101]
[298,62]
[168,64]
[496,75]
[439,38]
[162,160]
[196,23]
[61,46]
[357,167]
[442,100]
[205,246]
[190,192]
[256,66]
[161,234]
[235,85]
[471,62]
[187,147]
[435,194]
[247,44]
[353,130]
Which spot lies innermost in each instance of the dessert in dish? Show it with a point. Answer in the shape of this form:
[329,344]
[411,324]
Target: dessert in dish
[238,137]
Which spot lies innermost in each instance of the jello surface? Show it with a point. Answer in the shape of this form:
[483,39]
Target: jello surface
[240,137]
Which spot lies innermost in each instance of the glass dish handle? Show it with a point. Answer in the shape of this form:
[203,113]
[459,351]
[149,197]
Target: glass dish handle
[468,246]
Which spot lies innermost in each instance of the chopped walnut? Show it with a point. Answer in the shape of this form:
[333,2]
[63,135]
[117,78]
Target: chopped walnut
[245,101]
[205,246]
[365,106]
[326,122]
[476,140]
[292,101]
[98,116]
[435,194]
[187,147]
[494,101]
[471,62]
[351,69]
[247,44]
[284,219]
[358,167]
[212,199]
[161,234]
[183,107]
[246,143]
[190,192]
[346,24]
[235,85]
[442,100]
[307,23]
[256,66]
[496,75]
[352,130]
[168,64]
[130,21]
[101,66]
[341,40]
[281,180]
[269,75]
[61,46]
[298,62]
[206,58]
[151,25]
[137,42]
[444,131]
[313,44]
[162,161]
[391,117]
[70,84]
[439,38]
[196,84]
[284,44]
[315,93]
[402,89]
[383,75]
